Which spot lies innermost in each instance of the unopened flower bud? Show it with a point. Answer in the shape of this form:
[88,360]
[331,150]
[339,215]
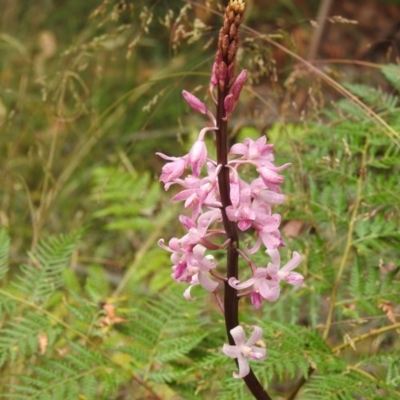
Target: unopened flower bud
[238,84]
[194,102]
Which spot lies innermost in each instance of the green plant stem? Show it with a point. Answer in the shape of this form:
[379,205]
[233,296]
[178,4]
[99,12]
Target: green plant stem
[373,332]
[349,243]
[38,219]
[371,377]
[231,300]
[48,314]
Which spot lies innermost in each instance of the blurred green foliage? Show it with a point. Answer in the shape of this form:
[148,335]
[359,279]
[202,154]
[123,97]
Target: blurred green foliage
[89,91]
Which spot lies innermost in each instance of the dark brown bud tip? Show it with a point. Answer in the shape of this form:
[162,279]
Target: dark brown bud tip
[228,42]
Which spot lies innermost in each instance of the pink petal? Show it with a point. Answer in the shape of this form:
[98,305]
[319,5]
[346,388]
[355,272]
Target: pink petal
[256,246]
[206,282]
[275,257]
[271,240]
[293,263]
[183,195]
[187,295]
[269,223]
[172,170]
[270,176]
[257,353]
[244,367]
[239,148]
[238,335]
[197,156]
[260,141]
[256,299]
[270,294]
[282,167]
[260,274]
[271,197]
[294,278]
[231,351]
[186,222]
[162,245]
[232,213]
[244,224]
[179,270]
[233,282]
[191,201]
[255,336]
[198,251]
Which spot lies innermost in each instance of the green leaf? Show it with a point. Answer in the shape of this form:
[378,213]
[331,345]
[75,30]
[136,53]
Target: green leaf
[4,250]
[44,274]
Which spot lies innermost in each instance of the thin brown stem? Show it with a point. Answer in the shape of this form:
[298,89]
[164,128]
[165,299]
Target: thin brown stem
[300,384]
[231,301]
[373,332]
[321,22]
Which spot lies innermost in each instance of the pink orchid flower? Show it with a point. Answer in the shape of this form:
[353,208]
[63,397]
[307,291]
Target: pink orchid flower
[243,350]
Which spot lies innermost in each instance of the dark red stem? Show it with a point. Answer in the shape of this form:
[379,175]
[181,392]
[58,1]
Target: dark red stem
[231,300]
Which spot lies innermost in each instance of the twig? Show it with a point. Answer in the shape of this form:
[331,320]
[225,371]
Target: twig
[349,244]
[300,384]
[360,338]
[321,21]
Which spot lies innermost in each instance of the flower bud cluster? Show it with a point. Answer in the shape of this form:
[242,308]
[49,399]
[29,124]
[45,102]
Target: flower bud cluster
[223,70]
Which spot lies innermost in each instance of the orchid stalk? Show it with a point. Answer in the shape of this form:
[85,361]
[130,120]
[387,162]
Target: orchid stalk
[220,203]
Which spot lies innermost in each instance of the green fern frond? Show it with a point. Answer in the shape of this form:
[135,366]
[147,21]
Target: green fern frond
[163,331]
[368,288]
[392,74]
[7,306]
[375,98]
[169,374]
[293,350]
[157,269]
[126,197]
[123,222]
[44,274]
[393,371]
[4,250]
[347,386]
[232,389]
[20,336]
[79,374]
[82,311]
[386,367]
[97,285]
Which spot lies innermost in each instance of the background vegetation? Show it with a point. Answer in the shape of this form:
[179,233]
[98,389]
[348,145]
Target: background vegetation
[89,91]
